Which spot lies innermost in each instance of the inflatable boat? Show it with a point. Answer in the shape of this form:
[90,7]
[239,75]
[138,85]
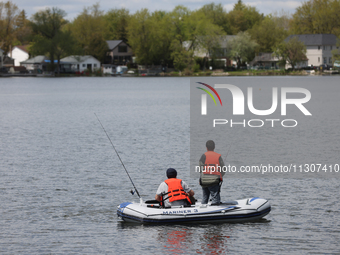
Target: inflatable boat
[243,210]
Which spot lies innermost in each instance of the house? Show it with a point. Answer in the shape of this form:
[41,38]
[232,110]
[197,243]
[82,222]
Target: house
[19,54]
[120,53]
[265,60]
[36,64]
[319,48]
[218,53]
[79,63]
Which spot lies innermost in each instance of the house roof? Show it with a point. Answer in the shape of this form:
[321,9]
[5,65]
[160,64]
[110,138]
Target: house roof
[77,59]
[36,60]
[22,47]
[265,56]
[113,43]
[315,39]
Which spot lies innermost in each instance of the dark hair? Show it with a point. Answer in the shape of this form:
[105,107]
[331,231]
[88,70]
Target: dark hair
[171,173]
[210,145]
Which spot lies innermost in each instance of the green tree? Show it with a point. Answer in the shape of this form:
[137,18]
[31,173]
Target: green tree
[139,36]
[65,45]
[268,33]
[202,33]
[160,37]
[292,52]
[282,20]
[47,27]
[216,15]
[23,31]
[241,48]
[89,29]
[317,17]
[8,16]
[117,22]
[183,59]
[336,52]
[242,17]
[194,31]
[150,36]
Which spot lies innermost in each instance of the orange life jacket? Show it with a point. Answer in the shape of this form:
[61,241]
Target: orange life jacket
[212,161]
[175,190]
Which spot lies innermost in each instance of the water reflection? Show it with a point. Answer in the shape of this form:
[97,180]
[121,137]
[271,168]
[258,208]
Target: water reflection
[207,238]
[176,240]
[215,240]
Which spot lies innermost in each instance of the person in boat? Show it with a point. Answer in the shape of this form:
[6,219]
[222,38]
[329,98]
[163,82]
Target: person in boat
[173,191]
[211,174]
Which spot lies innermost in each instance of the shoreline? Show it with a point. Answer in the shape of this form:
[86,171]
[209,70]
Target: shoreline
[246,73]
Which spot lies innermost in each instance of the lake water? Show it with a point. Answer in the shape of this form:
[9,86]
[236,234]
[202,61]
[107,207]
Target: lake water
[61,181]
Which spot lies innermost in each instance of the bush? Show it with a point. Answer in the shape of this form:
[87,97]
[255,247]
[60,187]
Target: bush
[187,72]
[196,68]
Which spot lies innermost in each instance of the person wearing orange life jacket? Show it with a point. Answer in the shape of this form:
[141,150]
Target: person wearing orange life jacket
[173,191]
[211,176]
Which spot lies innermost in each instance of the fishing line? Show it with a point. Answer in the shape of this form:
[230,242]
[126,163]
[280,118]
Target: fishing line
[227,154]
[118,156]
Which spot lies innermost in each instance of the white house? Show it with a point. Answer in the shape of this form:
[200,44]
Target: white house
[319,48]
[19,54]
[36,63]
[80,63]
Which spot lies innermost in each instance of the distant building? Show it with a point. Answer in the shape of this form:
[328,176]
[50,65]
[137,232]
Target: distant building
[319,48]
[36,64]
[19,54]
[218,52]
[79,63]
[265,60]
[120,53]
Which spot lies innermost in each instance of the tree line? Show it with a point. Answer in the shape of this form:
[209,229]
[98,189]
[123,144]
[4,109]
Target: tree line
[166,37]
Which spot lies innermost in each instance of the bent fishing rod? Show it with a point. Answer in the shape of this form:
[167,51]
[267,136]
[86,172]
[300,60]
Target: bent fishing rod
[118,157]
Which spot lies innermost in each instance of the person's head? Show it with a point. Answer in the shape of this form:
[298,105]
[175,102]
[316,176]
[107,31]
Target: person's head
[171,173]
[210,145]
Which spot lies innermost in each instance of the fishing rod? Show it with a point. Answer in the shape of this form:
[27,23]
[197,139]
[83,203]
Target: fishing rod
[227,153]
[118,157]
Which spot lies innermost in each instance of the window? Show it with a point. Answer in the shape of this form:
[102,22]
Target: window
[331,47]
[94,65]
[324,47]
[330,60]
[318,59]
[325,60]
[319,49]
[122,48]
[84,65]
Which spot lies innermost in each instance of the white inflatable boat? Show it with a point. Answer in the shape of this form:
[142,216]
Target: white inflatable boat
[250,209]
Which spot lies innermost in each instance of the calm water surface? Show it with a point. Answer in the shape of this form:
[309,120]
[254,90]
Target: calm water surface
[61,182]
